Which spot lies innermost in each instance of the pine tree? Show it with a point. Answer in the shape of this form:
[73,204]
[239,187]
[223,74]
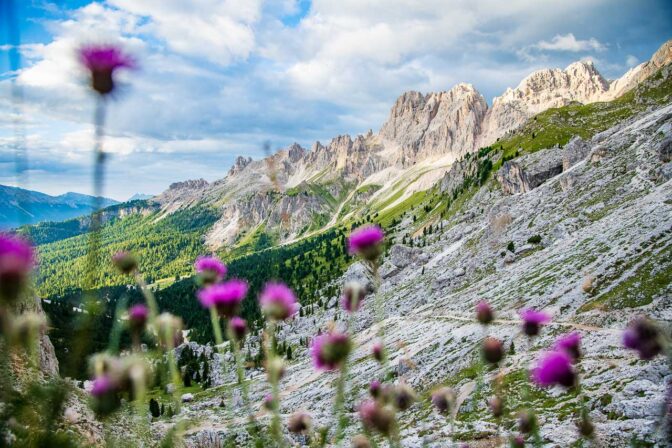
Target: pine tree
[154,408]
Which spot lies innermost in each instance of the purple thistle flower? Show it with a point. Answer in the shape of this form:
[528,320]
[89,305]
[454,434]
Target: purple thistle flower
[210,269]
[353,295]
[533,320]
[375,388]
[378,352]
[643,336]
[102,61]
[137,317]
[484,312]
[125,262]
[268,402]
[517,442]
[225,297]
[366,242]
[102,385]
[493,350]
[278,301]
[570,343]
[554,368]
[330,350]
[16,261]
[238,327]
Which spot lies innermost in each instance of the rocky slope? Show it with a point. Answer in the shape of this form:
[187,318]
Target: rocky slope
[602,209]
[431,131]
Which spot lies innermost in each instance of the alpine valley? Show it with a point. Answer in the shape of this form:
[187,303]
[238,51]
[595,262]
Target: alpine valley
[558,196]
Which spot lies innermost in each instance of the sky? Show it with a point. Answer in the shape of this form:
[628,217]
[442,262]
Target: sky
[219,78]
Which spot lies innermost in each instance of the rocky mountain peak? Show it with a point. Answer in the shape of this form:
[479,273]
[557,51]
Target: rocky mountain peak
[295,152]
[191,184]
[239,164]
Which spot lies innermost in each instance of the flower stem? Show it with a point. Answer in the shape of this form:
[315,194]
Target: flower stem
[149,297]
[240,373]
[115,333]
[276,429]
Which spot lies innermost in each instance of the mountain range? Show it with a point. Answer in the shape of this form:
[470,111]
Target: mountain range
[19,206]
[556,198]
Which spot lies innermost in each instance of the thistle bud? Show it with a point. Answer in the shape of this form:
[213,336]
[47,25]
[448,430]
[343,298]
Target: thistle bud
[443,400]
[643,336]
[360,441]
[527,422]
[378,352]
[125,262]
[484,312]
[299,423]
[403,396]
[16,262]
[238,328]
[517,442]
[493,351]
[137,318]
[377,416]
[169,328]
[496,405]
[375,388]
[353,295]
[269,402]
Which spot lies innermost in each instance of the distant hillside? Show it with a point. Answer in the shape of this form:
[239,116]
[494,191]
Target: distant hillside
[139,197]
[19,206]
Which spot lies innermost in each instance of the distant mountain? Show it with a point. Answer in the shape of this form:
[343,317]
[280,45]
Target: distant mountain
[140,197]
[19,206]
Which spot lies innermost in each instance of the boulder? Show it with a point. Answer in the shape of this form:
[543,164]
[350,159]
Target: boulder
[401,256]
[362,274]
[187,398]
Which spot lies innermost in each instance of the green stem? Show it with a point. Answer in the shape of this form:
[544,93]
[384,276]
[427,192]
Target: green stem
[149,297]
[240,373]
[339,404]
[276,428]
[174,372]
[216,329]
[115,334]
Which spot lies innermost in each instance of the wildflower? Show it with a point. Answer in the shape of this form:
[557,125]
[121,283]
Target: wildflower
[366,242]
[238,327]
[533,320]
[493,350]
[125,262]
[554,368]
[137,318]
[360,441]
[517,442]
[353,295]
[210,270]
[403,396]
[225,297]
[16,262]
[570,343]
[269,402]
[105,397]
[443,399]
[378,352]
[102,61]
[643,336]
[375,388]
[330,350]
[377,416]
[527,422]
[278,301]
[496,405]
[484,312]
[299,423]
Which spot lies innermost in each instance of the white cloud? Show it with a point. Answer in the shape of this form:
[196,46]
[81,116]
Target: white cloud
[631,61]
[218,30]
[568,42]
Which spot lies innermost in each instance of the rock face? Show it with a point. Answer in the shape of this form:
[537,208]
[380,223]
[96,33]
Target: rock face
[435,124]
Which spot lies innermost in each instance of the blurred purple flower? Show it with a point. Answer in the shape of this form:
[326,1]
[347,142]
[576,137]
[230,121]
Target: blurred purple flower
[102,61]
[554,368]
[643,336]
[330,350]
[225,297]
[570,343]
[353,295]
[210,269]
[533,320]
[16,261]
[137,317]
[375,388]
[376,416]
[278,301]
[378,352]
[125,262]
[366,241]
[238,327]
[484,312]
[102,385]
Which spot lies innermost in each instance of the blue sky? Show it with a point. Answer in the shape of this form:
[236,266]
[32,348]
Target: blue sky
[218,78]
